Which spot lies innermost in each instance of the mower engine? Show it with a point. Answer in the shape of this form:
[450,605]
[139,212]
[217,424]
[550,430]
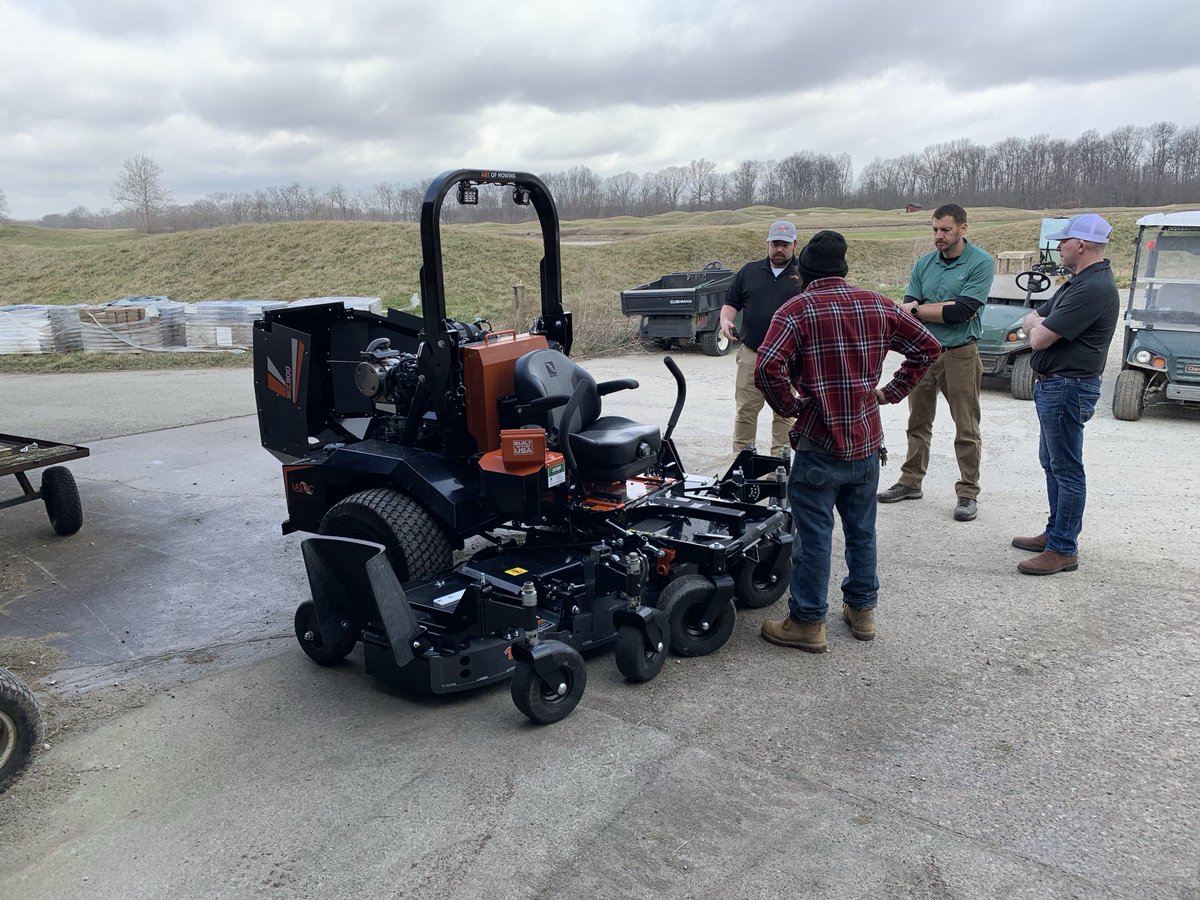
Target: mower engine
[387,375]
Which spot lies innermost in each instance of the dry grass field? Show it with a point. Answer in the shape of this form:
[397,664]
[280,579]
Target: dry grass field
[483,262]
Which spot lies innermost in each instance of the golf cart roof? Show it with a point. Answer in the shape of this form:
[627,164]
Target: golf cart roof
[1186,219]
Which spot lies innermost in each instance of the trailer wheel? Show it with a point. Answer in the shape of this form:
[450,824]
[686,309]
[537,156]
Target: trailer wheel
[634,661]
[759,584]
[1129,395]
[1021,383]
[416,546]
[308,633]
[61,497]
[684,602]
[20,727]
[714,343]
[544,703]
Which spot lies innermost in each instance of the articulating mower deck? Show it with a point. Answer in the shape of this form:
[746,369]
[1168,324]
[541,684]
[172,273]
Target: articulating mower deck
[403,437]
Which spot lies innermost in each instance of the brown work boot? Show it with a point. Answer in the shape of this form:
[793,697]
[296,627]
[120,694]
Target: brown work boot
[790,633]
[1047,563]
[1032,544]
[861,622]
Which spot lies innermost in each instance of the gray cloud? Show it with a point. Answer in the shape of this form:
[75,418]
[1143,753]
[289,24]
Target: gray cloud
[232,95]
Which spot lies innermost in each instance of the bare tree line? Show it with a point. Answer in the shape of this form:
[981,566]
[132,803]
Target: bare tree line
[1130,166]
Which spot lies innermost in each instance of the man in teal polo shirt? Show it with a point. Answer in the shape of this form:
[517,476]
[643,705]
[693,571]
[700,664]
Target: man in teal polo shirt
[946,291]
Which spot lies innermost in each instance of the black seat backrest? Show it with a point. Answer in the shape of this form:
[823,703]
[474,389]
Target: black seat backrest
[549,373]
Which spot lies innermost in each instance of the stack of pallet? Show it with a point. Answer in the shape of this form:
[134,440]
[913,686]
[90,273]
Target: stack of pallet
[119,329]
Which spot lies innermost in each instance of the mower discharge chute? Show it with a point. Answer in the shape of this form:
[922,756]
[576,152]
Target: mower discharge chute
[402,437]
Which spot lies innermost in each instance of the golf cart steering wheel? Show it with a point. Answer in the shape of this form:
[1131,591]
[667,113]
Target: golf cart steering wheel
[1035,282]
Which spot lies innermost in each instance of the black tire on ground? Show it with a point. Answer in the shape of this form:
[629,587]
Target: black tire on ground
[20,727]
[634,661]
[1129,395]
[758,585]
[1021,383]
[61,497]
[417,547]
[308,633]
[654,345]
[714,343]
[542,703]
[684,602]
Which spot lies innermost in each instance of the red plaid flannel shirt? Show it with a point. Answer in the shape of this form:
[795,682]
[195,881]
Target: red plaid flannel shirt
[822,359]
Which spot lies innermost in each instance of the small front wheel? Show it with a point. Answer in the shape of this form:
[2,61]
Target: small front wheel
[61,497]
[635,660]
[308,633]
[685,603]
[759,584]
[1129,395]
[545,703]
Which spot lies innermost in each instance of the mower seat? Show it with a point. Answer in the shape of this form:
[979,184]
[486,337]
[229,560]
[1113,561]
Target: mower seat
[604,448]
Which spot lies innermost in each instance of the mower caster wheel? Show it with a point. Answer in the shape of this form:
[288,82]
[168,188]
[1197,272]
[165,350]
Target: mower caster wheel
[757,585]
[308,633]
[685,603]
[545,703]
[635,660]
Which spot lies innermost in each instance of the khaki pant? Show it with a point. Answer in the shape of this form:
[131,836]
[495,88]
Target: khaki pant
[956,374]
[748,403]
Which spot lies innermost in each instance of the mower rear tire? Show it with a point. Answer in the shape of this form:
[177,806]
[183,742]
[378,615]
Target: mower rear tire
[714,343]
[61,496]
[416,545]
[757,585]
[634,660]
[20,727]
[308,633]
[543,703]
[684,602]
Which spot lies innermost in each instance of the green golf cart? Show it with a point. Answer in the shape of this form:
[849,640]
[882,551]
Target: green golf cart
[1004,347]
[1161,360]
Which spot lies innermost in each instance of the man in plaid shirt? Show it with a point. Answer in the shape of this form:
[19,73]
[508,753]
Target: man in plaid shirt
[821,362]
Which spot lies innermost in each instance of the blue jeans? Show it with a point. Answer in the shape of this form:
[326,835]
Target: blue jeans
[1064,406]
[817,485]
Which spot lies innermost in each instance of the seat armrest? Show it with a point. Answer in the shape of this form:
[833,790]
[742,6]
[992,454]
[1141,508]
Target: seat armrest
[617,384]
[542,404]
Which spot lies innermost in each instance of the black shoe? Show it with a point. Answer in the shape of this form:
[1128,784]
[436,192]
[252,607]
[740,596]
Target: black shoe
[966,510]
[900,491]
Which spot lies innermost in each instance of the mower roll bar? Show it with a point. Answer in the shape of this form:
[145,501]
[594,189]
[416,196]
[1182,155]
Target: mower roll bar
[527,189]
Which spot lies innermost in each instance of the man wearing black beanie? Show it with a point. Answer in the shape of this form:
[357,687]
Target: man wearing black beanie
[821,362]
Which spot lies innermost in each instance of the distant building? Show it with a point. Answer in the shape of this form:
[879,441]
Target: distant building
[913,207]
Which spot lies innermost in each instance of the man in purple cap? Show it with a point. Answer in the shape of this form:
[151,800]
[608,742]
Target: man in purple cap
[1070,334]
[757,291]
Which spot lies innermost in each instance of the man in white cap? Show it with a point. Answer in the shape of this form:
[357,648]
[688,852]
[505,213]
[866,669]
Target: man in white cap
[1070,334]
[757,292]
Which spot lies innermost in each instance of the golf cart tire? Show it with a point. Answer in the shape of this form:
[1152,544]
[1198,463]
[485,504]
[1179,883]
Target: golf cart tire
[416,546]
[634,661]
[315,647]
[684,601]
[1021,383]
[20,727]
[655,344]
[540,702]
[714,343]
[757,585]
[61,496]
[1129,395]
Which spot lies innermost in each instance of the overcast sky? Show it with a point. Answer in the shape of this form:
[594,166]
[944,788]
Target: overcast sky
[233,95]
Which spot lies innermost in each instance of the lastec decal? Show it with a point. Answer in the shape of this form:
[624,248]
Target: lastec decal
[287,383]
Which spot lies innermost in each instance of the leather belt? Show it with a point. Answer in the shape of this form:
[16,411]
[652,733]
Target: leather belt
[1038,376]
[963,344]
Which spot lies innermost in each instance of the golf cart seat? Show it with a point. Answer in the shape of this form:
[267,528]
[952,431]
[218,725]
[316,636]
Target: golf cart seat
[603,448]
[1179,297]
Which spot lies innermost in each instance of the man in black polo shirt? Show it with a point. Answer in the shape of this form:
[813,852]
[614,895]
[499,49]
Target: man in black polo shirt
[757,292]
[1070,335]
